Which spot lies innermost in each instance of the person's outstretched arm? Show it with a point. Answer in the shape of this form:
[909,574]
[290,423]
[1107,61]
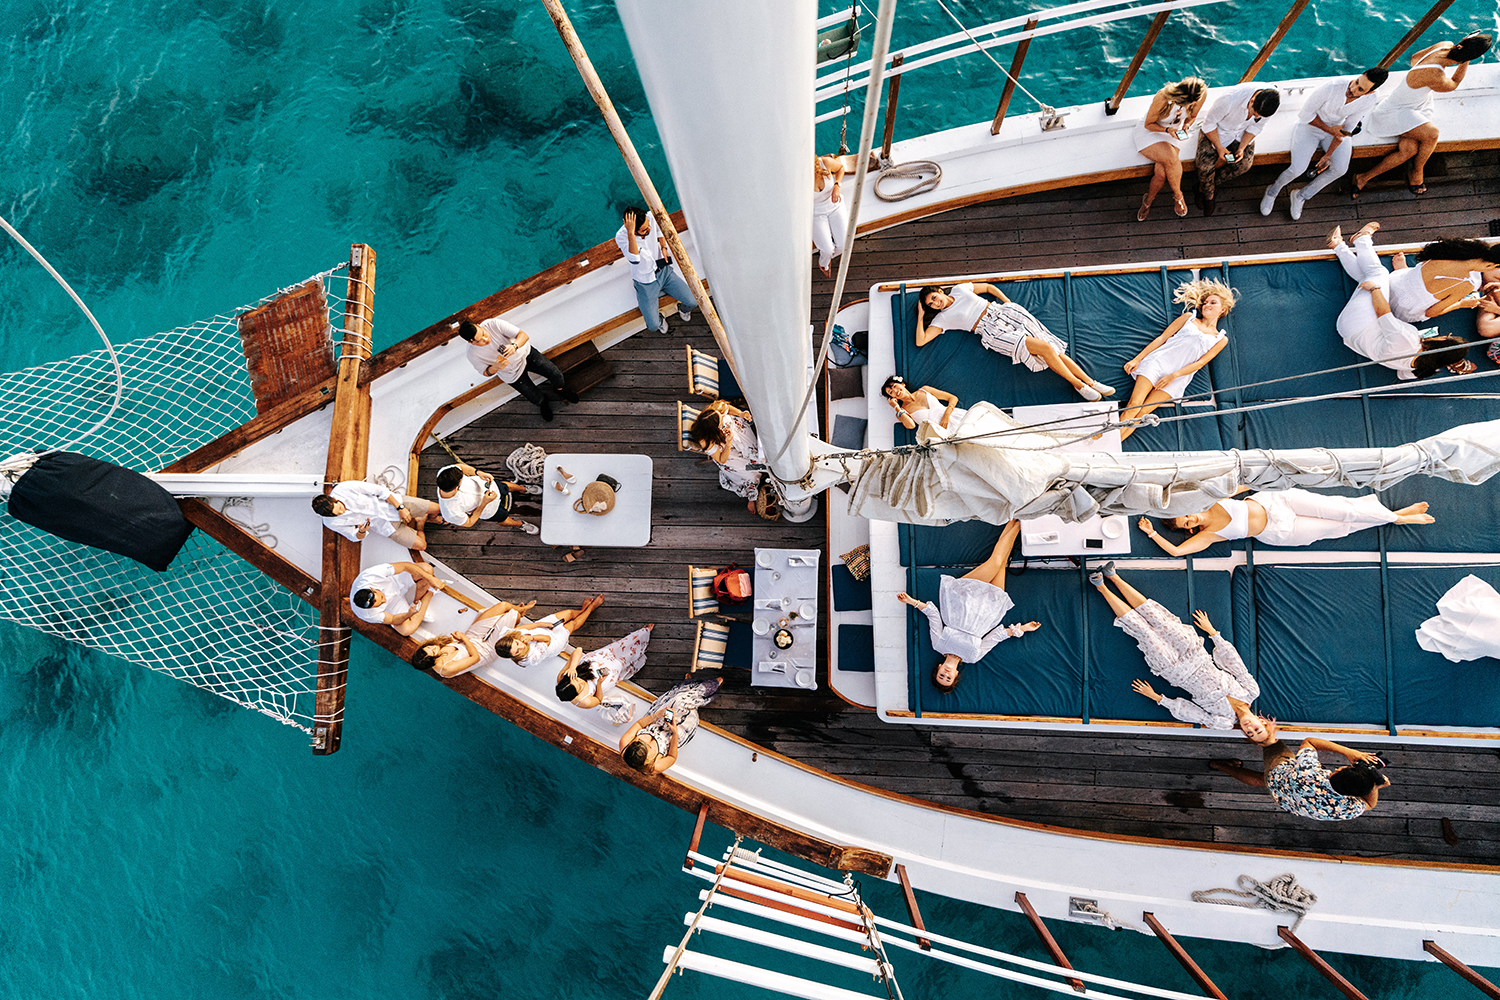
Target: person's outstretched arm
[1196,542]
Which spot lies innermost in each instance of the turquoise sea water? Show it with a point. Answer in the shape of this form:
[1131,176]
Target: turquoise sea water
[177,159]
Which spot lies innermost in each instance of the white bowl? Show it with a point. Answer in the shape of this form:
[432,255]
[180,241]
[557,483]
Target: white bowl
[760,626]
[764,559]
[805,679]
[1113,527]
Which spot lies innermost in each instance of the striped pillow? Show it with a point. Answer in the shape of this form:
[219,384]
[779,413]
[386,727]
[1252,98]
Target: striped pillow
[710,645]
[703,373]
[685,417]
[701,592]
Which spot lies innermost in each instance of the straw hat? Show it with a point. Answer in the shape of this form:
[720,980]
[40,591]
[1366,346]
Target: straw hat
[598,499]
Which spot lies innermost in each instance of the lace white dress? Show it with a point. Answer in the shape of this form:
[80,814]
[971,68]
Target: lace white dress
[968,624]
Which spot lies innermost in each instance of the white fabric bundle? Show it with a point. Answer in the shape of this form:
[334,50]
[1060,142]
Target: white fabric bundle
[1468,622]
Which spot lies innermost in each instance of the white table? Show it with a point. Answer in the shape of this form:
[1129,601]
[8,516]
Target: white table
[628,525]
[786,582]
[1080,538]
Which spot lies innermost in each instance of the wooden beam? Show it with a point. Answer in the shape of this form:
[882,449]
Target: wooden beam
[1480,983]
[1010,81]
[1113,104]
[776,904]
[794,891]
[1415,33]
[1178,952]
[1316,961]
[911,907]
[1298,6]
[1048,942]
[890,107]
[348,448]
[697,834]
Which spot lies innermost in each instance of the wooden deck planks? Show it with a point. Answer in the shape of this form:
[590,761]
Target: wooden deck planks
[1152,786]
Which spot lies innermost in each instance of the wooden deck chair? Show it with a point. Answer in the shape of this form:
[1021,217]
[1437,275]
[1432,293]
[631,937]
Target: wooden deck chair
[701,600]
[703,373]
[721,644]
[685,417]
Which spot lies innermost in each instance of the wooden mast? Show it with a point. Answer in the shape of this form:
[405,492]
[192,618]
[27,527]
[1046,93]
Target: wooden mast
[348,454]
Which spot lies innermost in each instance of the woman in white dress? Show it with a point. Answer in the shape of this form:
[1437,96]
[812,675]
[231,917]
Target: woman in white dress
[1159,137]
[1283,517]
[1407,111]
[1165,366]
[965,623]
[1004,327]
[928,405]
[588,678]
[726,434]
[1220,686]
[460,652]
[829,221]
[1448,276]
[529,645]
[650,745]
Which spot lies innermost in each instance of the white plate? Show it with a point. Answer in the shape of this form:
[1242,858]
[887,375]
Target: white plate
[1112,528]
[760,626]
[805,679]
[808,611]
[764,559]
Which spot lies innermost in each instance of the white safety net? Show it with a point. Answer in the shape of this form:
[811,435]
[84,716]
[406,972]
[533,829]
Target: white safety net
[211,619]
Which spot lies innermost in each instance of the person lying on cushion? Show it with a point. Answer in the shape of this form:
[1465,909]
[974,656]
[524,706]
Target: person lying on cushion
[965,624]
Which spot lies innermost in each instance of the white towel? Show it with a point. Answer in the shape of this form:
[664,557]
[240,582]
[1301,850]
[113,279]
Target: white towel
[1468,622]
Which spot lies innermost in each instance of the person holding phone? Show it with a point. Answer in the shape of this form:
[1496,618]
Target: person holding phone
[1226,140]
[1330,115]
[651,744]
[1159,137]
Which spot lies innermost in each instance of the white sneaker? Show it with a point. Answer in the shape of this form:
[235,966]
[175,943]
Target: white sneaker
[530,528]
[1297,202]
[663,327]
[1088,392]
[1268,202]
[686,315]
[1102,388]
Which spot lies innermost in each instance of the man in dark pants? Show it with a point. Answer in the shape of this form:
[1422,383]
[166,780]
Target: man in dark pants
[504,349]
[1226,139]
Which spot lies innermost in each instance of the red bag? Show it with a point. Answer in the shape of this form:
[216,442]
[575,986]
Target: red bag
[732,585]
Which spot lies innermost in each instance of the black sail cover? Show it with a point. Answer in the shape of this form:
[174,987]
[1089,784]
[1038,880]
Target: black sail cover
[103,505]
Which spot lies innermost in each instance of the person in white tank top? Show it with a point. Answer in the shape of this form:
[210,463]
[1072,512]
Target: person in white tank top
[1165,366]
[927,405]
[829,220]
[1407,112]
[1287,518]
[1448,276]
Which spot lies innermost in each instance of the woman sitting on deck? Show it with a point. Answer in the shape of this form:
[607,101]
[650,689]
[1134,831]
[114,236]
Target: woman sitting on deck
[546,637]
[965,624]
[927,405]
[1221,688]
[1003,327]
[1165,366]
[1160,135]
[725,434]
[650,745]
[1369,328]
[460,652]
[1448,276]
[588,678]
[1283,517]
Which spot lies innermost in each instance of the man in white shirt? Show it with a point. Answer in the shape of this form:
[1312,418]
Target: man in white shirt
[394,594]
[497,347]
[1330,115]
[652,269]
[467,496]
[354,509]
[1226,139]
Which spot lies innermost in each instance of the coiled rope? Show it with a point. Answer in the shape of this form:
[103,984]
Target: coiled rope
[526,464]
[1281,894]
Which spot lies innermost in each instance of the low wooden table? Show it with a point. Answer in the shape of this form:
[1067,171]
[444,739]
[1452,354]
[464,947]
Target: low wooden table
[627,526]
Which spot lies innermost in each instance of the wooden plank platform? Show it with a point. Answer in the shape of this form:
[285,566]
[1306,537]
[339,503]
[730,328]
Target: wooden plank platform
[1148,786]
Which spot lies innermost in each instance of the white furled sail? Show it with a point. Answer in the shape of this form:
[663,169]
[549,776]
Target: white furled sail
[1012,474]
[730,87]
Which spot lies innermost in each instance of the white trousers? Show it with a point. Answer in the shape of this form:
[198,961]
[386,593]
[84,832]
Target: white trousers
[1307,142]
[1362,264]
[828,234]
[1299,517]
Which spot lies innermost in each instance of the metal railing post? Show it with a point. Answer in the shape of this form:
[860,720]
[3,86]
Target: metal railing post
[1298,6]
[1010,81]
[1415,32]
[1113,104]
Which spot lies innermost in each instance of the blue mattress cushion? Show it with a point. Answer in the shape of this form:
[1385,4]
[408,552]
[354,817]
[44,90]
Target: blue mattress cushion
[857,648]
[850,594]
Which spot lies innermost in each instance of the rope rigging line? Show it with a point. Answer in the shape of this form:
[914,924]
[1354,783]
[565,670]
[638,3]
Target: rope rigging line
[109,347]
[1281,894]
[1046,108]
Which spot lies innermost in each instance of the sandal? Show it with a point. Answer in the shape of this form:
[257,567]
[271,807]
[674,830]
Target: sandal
[1179,207]
[1335,236]
[1417,189]
[1144,210]
[573,554]
[1355,189]
[1463,367]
